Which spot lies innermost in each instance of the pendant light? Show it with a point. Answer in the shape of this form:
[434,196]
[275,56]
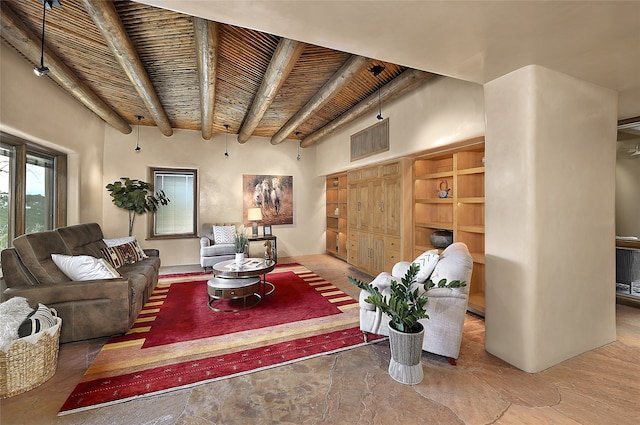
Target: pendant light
[376,70]
[138,148]
[298,157]
[226,151]
[46,4]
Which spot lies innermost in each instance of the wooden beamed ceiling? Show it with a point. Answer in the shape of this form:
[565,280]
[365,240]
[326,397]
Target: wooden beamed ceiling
[123,59]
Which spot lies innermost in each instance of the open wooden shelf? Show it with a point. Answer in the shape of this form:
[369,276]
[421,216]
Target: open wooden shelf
[462,211]
[336,215]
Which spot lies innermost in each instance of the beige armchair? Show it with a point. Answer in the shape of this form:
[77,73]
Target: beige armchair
[446,306]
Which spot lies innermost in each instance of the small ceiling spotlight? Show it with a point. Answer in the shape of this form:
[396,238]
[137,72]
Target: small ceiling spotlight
[138,148]
[226,151]
[376,70]
[46,5]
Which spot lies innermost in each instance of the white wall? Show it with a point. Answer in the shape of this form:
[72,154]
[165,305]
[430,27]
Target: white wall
[442,111]
[37,110]
[220,185]
[628,104]
[550,263]
[628,197]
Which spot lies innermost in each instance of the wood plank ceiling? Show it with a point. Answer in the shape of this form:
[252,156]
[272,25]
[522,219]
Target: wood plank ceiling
[123,59]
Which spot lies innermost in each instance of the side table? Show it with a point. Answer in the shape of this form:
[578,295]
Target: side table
[274,243]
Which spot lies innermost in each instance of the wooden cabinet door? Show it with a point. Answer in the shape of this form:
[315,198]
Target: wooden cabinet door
[377,254]
[377,207]
[352,247]
[352,214]
[392,206]
[364,253]
[370,253]
[364,212]
[391,252]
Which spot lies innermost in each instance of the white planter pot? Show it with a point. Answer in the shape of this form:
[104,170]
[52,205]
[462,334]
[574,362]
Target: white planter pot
[405,365]
[239,257]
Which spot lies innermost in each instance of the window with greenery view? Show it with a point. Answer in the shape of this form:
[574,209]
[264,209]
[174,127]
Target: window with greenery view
[178,218]
[32,190]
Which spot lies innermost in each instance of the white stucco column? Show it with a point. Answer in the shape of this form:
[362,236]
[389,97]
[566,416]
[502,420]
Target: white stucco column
[550,217]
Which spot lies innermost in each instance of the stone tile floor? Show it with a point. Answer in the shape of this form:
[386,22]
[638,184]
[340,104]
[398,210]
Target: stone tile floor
[601,386]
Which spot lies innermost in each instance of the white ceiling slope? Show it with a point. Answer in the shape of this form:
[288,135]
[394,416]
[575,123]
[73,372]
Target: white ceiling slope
[478,41]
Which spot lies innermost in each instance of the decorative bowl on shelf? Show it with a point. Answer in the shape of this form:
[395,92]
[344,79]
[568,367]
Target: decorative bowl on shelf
[442,238]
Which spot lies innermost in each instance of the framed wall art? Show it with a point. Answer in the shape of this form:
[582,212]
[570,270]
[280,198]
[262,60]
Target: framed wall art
[272,194]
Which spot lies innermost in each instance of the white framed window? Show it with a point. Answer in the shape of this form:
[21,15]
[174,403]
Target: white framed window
[178,218]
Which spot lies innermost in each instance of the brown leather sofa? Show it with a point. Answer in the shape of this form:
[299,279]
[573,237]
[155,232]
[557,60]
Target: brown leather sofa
[90,308]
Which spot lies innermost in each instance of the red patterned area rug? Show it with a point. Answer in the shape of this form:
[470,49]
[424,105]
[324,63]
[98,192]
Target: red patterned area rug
[178,342]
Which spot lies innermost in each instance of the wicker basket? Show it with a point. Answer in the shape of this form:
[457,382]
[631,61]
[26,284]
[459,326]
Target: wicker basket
[30,361]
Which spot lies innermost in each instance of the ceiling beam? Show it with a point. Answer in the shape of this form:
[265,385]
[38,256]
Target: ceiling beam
[206,38]
[106,18]
[284,59]
[16,33]
[407,81]
[347,73]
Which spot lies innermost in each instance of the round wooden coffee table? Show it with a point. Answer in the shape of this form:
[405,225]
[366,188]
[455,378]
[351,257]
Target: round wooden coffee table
[233,281]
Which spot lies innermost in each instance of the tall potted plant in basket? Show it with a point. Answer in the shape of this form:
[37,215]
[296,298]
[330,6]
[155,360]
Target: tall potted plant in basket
[405,306]
[135,196]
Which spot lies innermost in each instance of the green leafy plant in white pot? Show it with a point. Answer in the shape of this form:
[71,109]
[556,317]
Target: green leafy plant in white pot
[135,196]
[405,306]
[240,244]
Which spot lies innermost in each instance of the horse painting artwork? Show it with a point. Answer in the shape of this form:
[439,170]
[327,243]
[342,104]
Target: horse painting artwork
[272,194]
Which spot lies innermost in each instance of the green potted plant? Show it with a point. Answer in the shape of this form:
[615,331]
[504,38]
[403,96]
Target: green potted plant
[405,306]
[135,196]
[240,246]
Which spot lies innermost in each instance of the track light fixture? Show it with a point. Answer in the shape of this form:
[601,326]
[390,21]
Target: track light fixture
[46,4]
[138,148]
[226,151]
[376,70]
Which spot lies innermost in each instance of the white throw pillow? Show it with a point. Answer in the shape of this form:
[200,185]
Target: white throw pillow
[84,267]
[427,262]
[224,234]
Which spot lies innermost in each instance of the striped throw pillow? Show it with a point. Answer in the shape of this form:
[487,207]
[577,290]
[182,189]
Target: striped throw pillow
[118,256]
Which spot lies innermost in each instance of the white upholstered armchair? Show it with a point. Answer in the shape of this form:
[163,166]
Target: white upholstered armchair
[217,243]
[446,306]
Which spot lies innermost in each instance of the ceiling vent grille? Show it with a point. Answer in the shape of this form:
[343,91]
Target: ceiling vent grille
[370,141]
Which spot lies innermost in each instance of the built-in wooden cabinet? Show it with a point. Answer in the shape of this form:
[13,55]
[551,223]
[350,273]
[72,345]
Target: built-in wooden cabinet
[378,209]
[385,213]
[336,200]
[461,172]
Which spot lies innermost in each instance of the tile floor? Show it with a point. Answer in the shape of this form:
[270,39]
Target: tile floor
[599,387]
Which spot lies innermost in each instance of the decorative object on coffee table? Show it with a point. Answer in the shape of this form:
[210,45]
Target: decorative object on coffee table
[240,244]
